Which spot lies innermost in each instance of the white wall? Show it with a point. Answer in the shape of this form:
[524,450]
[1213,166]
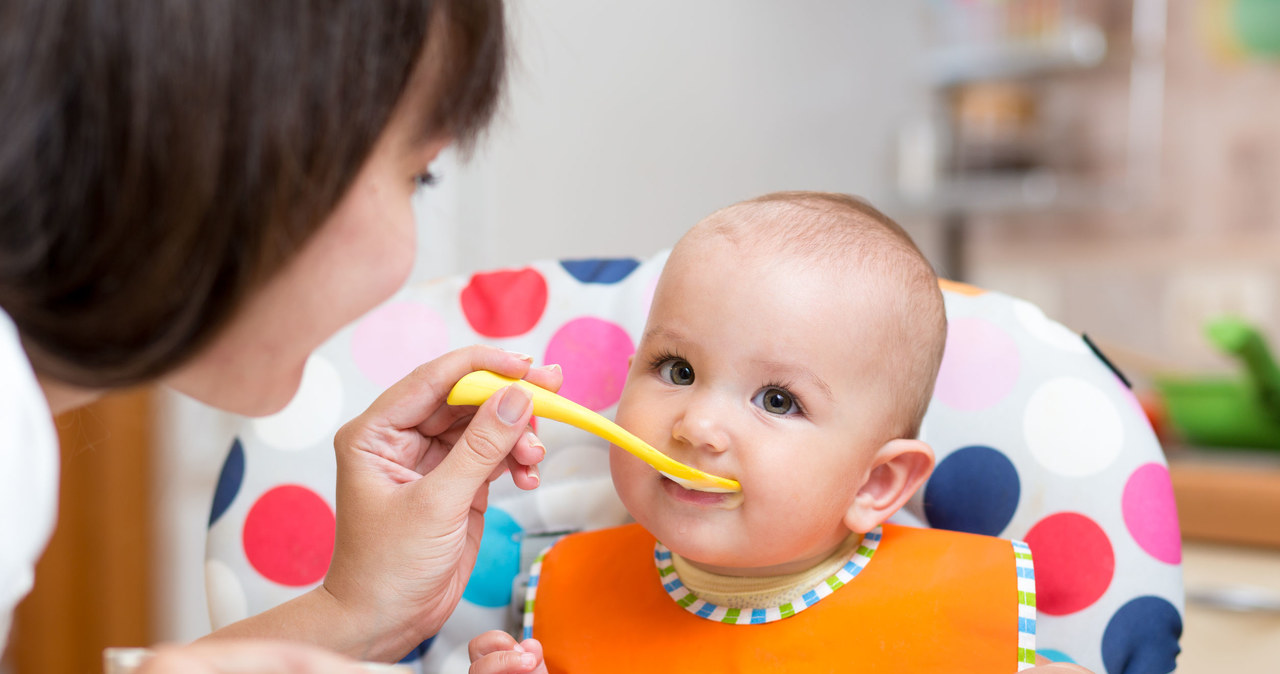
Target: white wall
[628,122]
[625,124]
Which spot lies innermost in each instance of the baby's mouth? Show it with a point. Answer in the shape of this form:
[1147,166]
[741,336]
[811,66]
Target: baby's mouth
[697,497]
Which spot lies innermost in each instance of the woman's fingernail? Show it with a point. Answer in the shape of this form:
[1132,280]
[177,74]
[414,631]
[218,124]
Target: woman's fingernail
[522,356]
[513,404]
[535,442]
[554,367]
[532,472]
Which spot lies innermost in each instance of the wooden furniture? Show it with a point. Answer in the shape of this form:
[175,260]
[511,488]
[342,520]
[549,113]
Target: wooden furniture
[1227,496]
[93,582]
[1229,510]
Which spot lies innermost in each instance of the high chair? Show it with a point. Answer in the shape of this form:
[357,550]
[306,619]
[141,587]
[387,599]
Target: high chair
[1037,438]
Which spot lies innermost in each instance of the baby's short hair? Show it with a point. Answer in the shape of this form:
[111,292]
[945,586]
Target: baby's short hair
[848,233]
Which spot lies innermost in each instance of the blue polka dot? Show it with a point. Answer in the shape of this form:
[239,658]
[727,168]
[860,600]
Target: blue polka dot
[1142,637]
[228,482]
[600,270]
[418,652]
[975,489]
[498,561]
[1054,656]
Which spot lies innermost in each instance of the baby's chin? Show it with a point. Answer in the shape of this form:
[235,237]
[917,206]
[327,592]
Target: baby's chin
[744,560]
[727,558]
[748,568]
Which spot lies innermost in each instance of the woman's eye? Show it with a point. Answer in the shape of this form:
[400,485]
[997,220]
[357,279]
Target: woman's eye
[425,179]
[677,371]
[776,401]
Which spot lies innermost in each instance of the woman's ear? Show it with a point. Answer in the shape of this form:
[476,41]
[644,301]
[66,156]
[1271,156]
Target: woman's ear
[900,468]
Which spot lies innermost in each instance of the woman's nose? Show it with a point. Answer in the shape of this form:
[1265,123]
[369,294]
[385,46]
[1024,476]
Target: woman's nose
[703,424]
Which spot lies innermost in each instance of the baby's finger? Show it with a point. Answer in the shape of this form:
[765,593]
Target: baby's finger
[504,662]
[532,646]
[489,642]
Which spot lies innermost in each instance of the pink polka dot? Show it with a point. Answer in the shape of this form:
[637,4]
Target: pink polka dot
[980,365]
[593,354]
[1074,562]
[395,338]
[648,293]
[1128,395]
[288,535]
[505,303]
[1151,514]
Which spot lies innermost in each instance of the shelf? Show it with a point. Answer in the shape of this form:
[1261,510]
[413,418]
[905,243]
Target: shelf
[1031,192]
[1075,48]
[1227,496]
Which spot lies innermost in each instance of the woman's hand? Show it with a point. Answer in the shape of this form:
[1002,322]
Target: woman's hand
[413,484]
[497,652]
[243,657]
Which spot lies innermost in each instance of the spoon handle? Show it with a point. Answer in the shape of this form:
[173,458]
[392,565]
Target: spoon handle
[477,387]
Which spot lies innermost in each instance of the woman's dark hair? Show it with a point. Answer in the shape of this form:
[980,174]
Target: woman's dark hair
[159,159]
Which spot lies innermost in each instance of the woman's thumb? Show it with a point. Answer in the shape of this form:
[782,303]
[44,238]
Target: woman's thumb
[494,430]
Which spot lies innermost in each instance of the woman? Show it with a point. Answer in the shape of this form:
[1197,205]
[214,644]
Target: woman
[198,194]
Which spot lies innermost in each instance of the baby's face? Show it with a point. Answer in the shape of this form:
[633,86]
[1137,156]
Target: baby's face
[771,373]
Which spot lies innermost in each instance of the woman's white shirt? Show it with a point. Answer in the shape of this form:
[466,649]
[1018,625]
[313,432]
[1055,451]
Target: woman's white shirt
[28,474]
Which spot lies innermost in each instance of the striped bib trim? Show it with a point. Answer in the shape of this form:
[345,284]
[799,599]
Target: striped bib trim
[755,616]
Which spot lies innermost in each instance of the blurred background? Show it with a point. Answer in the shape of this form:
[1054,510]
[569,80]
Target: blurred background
[1115,162]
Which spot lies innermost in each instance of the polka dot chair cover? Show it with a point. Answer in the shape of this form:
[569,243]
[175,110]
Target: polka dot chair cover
[1037,438]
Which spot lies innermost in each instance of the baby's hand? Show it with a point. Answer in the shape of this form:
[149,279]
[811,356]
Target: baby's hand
[497,652]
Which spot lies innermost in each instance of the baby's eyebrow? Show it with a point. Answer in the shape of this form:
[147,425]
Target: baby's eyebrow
[803,372]
[663,332]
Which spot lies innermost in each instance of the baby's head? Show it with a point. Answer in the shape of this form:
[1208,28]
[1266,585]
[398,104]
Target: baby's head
[792,345]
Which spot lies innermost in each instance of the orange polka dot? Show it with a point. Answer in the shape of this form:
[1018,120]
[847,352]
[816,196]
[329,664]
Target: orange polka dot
[961,288]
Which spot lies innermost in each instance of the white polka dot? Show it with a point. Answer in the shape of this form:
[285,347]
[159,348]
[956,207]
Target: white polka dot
[448,653]
[1045,329]
[1072,428]
[227,602]
[577,491]
[312,414]
[458,660]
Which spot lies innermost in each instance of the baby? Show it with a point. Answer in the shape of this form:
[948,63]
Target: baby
[792,345]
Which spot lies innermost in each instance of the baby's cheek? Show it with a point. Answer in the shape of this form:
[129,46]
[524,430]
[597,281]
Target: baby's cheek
[636,483]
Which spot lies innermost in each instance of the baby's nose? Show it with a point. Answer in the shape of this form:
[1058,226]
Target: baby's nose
[703,425]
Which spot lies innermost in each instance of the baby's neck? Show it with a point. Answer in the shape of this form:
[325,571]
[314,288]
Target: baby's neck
[724,587]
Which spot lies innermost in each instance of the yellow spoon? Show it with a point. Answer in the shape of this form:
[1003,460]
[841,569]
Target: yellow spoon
[476,388]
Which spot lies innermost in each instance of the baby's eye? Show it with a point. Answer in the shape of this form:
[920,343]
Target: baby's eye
[677,371]
[775,400]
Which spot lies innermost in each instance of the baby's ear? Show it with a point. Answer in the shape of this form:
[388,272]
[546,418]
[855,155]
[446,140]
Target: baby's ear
[900,468]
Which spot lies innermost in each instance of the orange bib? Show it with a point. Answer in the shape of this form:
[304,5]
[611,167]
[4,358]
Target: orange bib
[910,600]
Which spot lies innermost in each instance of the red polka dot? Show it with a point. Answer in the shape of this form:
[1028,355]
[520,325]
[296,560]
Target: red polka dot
[288,535]
[1074,562]
[593,355]
[504,303]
